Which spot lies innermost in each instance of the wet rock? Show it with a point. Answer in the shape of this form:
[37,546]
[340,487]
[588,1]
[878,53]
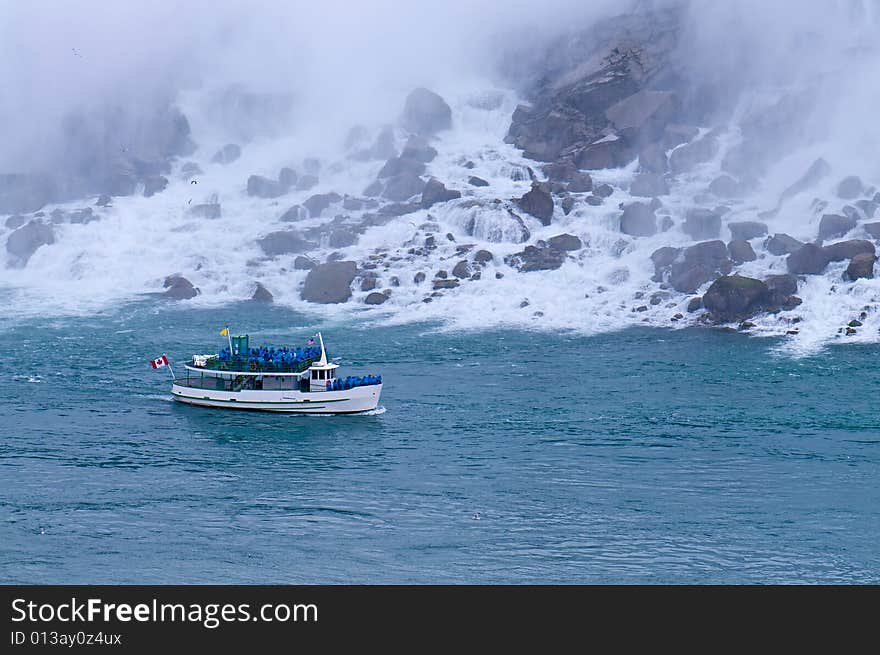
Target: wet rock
[638,220]
[394,281]
[284,243]
[81,216]
[374,189]
[303,263]
[818,170]
[833,226]
[341,237]
[16,221]
[741,251]
[288,177]
[608,152]
[702,224]
[873,230]
[603,190]
[567,205]
[103,201]
[649,185]
[483,257]
[809,259]
[306,182]
[850,188]
[399,208]
[725,186]
[745,230]
[780,288]
[25,241]
[444,284]
[317,203]
[643,115]
[295,213]
[375,298]
[154,184]
[462,269]
[419,277]
[383,147]
[262,187]
[418,149]
[699,264]
[329,283]
[867,207]
[441,274]
[593,201]
[782,244]
[538,203]
[262,294]
[735,298]
[565,242]
[369,281]
[399,166]
[663,258]
[686,157]
[210,210]
[426,113]
[351,203]
[652,159]
[851,212]
[402,187]
[436,192]
[473,180]
[178,287]
[861,266]
[227,154]
[533,258]
[694,304]
[837,252]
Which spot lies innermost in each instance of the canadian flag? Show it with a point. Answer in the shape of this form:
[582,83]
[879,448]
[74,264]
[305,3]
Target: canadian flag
[159,363]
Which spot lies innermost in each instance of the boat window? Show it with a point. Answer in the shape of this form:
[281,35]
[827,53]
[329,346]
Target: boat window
[314,375]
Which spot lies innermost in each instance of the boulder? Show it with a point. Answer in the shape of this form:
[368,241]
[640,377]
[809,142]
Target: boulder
[262,187]
[375,298]
[873,230]
[418,149]
[305,182]
[538,203]
[209,210]
[103,200]
[399,208]
[419,277]
[735,298]
[25,241]
[473,180]
[436,192]
[341,237]
[725,186]
[402,187]
[663,258]
[686,157]
[837,252]
[483,257]
[781,287]
[608,152]
[850,188]
[444,284]
[399,165]
[426,113]
[330,282]
[154,184]
[603,190]
[867,207]
[643,115]
[462,269]
[745,230]
[317,203]
[652,159]
[288,177]
[567,204]
[638,220]
[303,263]
[369,281]
[383,147]
[695,304]
[227,154]
[809,259]
[533,258]
[699,264]
[295,213]
[741,251]
[262,294]
[702,224]
[284,243]
[833,226]
[861,266]
[649,185]
[178,287]
[782,244]
[15,221]
[565,242]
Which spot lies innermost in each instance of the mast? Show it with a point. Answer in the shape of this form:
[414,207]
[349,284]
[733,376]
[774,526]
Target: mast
[323,360]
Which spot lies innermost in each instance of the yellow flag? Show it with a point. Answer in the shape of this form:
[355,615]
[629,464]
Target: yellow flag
[224,332]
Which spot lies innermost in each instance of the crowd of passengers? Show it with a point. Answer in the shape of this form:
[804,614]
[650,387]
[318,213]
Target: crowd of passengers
[353,381]
[277,357]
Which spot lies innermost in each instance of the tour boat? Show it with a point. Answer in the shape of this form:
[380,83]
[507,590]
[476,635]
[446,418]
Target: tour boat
[290,380]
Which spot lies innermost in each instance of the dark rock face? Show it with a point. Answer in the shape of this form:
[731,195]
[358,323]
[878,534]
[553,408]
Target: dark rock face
[435,192]
[154,184]
[402,187]
[702,224]
[638,220]
[262,294]
[652,159]
[850,188]
[745,230]
[473,180]
[295,213]
[462,269]
[735,298]
[603,190]
[374,189]
[649,185]
[227,154]
[399,208]
[688,269]
[781,287]
[178,287]
[567,205]
[209,210]
[444,284]
[873,230]
[833,226]
[741,251]
[341,237]
[317,203]
[303,263]
[262,187]
[426,113]
[419,277]
[686,157]
[329,283]
[25,241]
[533,258]
[695,304]
[782,244]
[837,252]
[284,243]
[809,259]
[538,203]
[418,149]
[643,115]
[375,298]
[483,257]
[399,166]
[608,152]
[565,242]
[861,266]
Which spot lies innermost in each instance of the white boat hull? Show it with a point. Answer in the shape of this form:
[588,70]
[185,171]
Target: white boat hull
[350,401]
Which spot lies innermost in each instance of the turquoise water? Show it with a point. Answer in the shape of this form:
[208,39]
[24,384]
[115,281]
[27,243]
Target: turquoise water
[642,456]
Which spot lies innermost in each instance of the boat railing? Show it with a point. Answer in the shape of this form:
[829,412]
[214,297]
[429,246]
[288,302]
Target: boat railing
[255,365]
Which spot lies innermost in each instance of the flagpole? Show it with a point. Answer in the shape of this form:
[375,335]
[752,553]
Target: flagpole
[173,377]
[229,336]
